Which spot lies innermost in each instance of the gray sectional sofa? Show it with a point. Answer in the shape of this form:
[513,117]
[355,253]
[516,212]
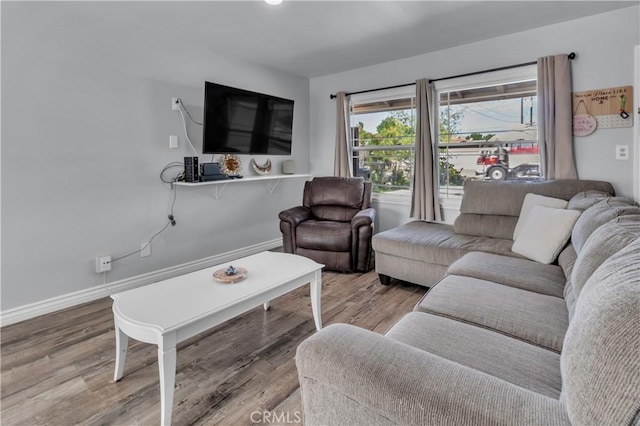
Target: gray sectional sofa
[420,252]
[500,338]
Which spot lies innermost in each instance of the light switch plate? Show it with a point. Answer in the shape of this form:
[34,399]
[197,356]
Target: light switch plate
[173,142]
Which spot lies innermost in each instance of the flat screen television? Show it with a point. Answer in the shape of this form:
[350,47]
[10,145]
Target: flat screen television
[243,122]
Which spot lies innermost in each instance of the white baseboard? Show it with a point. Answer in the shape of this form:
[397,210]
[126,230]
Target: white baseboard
[25,312]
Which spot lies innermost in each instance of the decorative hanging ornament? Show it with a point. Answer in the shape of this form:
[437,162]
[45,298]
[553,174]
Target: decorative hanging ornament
[583,124]
[623,101]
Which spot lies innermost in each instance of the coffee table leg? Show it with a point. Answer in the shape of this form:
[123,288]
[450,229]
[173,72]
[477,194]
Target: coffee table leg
[122,344]
[316,305]
[266,305]
[167,366]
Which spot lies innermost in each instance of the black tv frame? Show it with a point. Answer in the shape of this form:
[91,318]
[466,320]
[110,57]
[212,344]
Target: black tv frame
[267,130]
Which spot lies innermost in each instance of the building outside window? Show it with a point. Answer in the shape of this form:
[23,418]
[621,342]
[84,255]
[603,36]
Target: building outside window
[486,129]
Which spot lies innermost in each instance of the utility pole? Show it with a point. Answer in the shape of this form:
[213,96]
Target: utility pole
[531,111]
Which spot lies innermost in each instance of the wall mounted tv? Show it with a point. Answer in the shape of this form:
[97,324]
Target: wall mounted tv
[243,122]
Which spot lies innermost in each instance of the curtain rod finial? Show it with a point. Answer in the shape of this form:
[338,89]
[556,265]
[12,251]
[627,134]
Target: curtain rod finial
[572,55]
[332,96]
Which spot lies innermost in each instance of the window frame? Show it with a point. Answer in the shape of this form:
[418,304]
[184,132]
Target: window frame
[396,93]
[477,81]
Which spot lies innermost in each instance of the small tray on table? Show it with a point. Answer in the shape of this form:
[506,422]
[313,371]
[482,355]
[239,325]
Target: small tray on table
[223,276]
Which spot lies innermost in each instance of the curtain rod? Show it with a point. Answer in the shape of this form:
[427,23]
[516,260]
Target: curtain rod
[571,55]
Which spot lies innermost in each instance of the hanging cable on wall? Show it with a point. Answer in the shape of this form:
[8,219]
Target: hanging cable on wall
[170,217]
[171,221]
[180,109]
[183,106]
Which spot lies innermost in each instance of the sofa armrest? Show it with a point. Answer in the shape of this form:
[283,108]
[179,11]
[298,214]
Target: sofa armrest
[294,216]
[363,218]
[351,375]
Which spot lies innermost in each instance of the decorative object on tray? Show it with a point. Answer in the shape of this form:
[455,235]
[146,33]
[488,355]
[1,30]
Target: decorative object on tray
[230,165]
[230,275]
[263,169]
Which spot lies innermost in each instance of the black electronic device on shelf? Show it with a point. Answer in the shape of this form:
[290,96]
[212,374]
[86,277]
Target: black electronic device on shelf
[191,169]
[210,172]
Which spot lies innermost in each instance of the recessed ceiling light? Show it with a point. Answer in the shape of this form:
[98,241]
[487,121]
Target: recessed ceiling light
[273,2]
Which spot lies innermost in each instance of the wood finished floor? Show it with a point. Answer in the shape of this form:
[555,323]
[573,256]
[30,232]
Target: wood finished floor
[58,369]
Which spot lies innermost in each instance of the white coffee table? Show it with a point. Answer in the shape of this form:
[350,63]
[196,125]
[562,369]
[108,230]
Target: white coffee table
[168,312]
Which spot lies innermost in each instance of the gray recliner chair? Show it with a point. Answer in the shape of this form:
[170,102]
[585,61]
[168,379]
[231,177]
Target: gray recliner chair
[334,225]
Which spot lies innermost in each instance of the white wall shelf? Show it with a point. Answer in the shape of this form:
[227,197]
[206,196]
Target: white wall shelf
[220,185]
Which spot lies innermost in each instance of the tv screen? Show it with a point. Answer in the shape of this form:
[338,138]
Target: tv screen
[243,122]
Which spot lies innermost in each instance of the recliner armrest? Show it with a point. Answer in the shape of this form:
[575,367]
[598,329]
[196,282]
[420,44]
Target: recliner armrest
[363,218]
[350,373]
[294,216]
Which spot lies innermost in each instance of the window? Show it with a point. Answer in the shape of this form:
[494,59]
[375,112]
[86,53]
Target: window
[487,129]
[383,137]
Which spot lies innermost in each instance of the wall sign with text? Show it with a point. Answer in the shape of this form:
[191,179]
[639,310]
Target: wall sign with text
[602,109]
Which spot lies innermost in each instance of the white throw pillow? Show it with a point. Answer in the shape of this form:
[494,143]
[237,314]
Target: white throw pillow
[532,200]
[545,233]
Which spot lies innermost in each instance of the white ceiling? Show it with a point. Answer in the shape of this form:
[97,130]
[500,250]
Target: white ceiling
[314,38]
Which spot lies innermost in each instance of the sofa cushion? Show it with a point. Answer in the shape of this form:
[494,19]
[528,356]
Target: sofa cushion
[570,299]
[599,214]
[491,209]
[324,235]
[585,199]
[600,363]
[435,243]
[532,317]
[351,376]
[485,225]
[515,361]
[506,198]
[567,259]
[545,233]
[335,191]
[334,198]
[532,276]
[532,200]
[409,270]
[602,244]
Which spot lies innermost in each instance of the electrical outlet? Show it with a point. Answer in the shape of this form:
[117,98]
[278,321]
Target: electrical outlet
[145,249]
[103,264]
[173,142]
[622,152]
[175,104]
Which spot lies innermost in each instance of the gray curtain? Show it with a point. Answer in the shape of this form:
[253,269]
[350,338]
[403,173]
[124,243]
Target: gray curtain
[555,118]
[425,204]
[342,159]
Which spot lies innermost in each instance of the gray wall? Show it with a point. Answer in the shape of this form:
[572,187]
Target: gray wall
[605,47]
[86,119]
